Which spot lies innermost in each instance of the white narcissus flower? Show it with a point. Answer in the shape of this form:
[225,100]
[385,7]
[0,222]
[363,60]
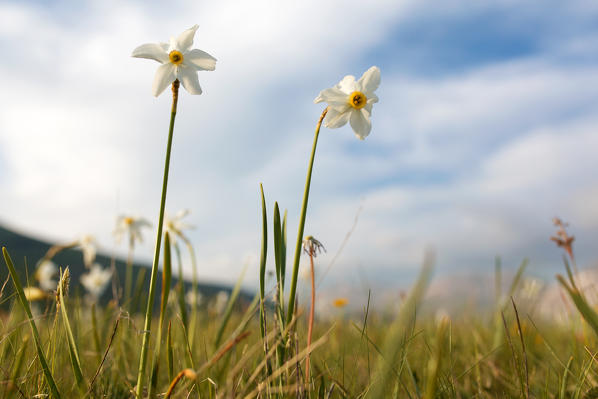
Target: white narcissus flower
[219,302]
[131,226]
[87,243]
[175,225]
[45,274]
[351,101]
[178,62]
[193,299]
[96,280]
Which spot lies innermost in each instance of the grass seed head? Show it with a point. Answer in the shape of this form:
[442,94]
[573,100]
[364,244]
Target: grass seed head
[63,284]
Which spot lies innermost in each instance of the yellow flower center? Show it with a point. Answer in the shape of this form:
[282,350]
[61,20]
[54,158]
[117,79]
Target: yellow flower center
[357,100]
[176,57]
[340,302]
[128,221]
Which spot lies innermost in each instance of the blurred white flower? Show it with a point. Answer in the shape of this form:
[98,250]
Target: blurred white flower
[45,274]
[193,299]
[34,294]
[87,243]
[219,302]
[96,280]
[178,62]
[175,225]
[131,226]
[351,101]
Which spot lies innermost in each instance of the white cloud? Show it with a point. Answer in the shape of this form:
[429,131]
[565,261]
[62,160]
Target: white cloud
[500,149]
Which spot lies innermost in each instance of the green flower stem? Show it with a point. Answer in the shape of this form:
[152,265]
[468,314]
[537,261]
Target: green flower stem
[291,309]
[154,276]
[129,273]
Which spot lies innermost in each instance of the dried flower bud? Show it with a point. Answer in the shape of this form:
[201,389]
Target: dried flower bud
[312,247]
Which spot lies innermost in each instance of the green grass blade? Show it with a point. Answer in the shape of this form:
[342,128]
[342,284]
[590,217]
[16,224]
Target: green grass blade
[501,301]
[563,390]
[169,352]
[16,371]
[398,330]
[37,341]
[517,278]
[73,352]
[283,248]
[180,288]
[229,309]
[581,304]
[138,290]
[166,280]
[436,360]
[96,333]
[278,249]
[263,256]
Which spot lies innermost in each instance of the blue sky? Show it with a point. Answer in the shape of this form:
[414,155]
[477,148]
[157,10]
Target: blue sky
[485,129]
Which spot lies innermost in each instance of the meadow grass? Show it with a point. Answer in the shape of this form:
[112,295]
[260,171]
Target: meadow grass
[407,353]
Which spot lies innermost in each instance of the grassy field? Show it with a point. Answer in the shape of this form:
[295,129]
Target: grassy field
[87,351]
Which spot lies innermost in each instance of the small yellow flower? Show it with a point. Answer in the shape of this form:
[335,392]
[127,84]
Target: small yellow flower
[340,302]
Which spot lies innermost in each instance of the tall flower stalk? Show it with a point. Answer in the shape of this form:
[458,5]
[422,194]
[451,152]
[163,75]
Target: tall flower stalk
[179,62]
[154,275]
[299,243]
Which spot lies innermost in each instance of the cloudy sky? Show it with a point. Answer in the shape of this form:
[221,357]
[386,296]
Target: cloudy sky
[485,130]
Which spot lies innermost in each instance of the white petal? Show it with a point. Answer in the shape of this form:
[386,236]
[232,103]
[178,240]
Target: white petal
[182,213]
[347,85]
[185,39]
[200,60]
[360,123]
[370,102]
[372,99]
[370,80]
[152,51]
[335,119]
[332,96]
[188,77]
[164,77]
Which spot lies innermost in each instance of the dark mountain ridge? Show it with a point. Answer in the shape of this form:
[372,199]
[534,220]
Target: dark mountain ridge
[26,252]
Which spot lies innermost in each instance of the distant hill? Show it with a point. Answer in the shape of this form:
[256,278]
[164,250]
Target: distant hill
[26,252]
